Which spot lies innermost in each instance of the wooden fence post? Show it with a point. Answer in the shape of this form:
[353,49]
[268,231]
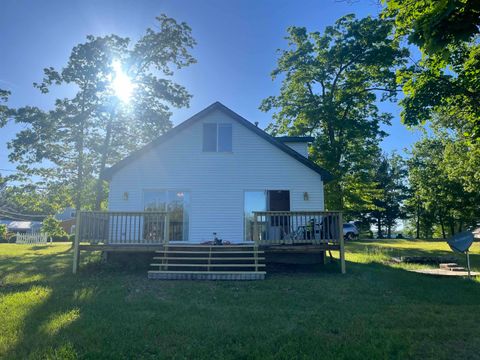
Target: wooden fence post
[342,243]
[76,244]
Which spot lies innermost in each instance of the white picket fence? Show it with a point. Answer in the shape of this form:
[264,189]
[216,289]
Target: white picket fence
[33,238]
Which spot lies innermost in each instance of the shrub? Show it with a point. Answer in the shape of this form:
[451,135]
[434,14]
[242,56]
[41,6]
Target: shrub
[52,228]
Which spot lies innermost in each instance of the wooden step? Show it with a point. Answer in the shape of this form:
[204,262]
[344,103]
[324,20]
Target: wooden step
[457,268]
[206,275]
[447,265]
[208,262]
[209,258]
[210,246]
[206,252]
[211,265]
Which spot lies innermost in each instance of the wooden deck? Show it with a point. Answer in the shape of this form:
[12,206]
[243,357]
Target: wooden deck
[282,237]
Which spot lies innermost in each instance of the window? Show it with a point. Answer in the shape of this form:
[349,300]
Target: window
[225,137]
[209,137]
[217,137]
[176,203]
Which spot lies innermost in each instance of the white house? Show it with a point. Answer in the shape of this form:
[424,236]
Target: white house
[212,171]
[66,214]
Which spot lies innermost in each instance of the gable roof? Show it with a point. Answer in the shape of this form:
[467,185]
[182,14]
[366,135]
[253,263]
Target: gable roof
[326,176]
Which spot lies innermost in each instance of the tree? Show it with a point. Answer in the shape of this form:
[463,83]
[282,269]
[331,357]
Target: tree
[3,232]
[390,175]
[434,25]
[52,227]
[84,134]
[447,32]
[438,199]
[4,94]
[330,87]
[434,85]
[28,201]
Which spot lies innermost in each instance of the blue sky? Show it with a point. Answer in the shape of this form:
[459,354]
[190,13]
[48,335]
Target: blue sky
[236,51]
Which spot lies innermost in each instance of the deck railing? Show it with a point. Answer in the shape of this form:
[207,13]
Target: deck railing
[119,227]
[155,227]
[297,227]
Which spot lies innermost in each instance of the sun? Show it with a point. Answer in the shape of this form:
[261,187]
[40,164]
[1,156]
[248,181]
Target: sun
[121,83]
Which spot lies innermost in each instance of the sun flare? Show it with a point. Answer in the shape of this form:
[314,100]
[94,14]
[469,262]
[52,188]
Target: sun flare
[122,85]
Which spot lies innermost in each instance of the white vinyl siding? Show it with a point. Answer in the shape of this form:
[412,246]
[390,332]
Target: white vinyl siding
[300,147]
[216,181]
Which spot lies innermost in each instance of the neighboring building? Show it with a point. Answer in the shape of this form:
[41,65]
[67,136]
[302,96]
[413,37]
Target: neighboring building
[476,233]
[67,219]
[66,214]
[212,171]
[68,226]
[24,226]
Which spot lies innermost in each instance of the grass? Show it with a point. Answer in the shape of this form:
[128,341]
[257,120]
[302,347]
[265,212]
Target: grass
[376,311]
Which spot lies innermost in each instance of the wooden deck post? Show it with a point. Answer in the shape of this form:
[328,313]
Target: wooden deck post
[166,229]
[76,244]
[342,243]
[256,237]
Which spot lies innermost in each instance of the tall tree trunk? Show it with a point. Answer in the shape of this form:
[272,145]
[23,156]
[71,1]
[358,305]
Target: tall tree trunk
[452,227]
[379,228]
[442,224]
[80,147]
[103,162]
[418,221]
[389,231]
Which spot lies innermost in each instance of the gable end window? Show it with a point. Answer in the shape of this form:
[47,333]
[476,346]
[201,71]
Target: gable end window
[217,137]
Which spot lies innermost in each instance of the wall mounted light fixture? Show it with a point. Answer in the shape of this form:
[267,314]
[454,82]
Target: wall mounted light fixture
[125,195]
[305,196]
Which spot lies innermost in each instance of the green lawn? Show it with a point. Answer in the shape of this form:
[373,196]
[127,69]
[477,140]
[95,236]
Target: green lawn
[376,311]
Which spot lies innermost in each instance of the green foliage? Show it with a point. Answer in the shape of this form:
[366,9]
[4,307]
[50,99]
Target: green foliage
[433,25]
[391,177]
[440,198]
[331,84]
[4,111]
[84,134]
[451,85]
[447,76]
[3,232]
[52,227]
[29,201]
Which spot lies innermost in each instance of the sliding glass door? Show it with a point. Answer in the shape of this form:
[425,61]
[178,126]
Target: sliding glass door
[177,204]
[266,200]
[253,201]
